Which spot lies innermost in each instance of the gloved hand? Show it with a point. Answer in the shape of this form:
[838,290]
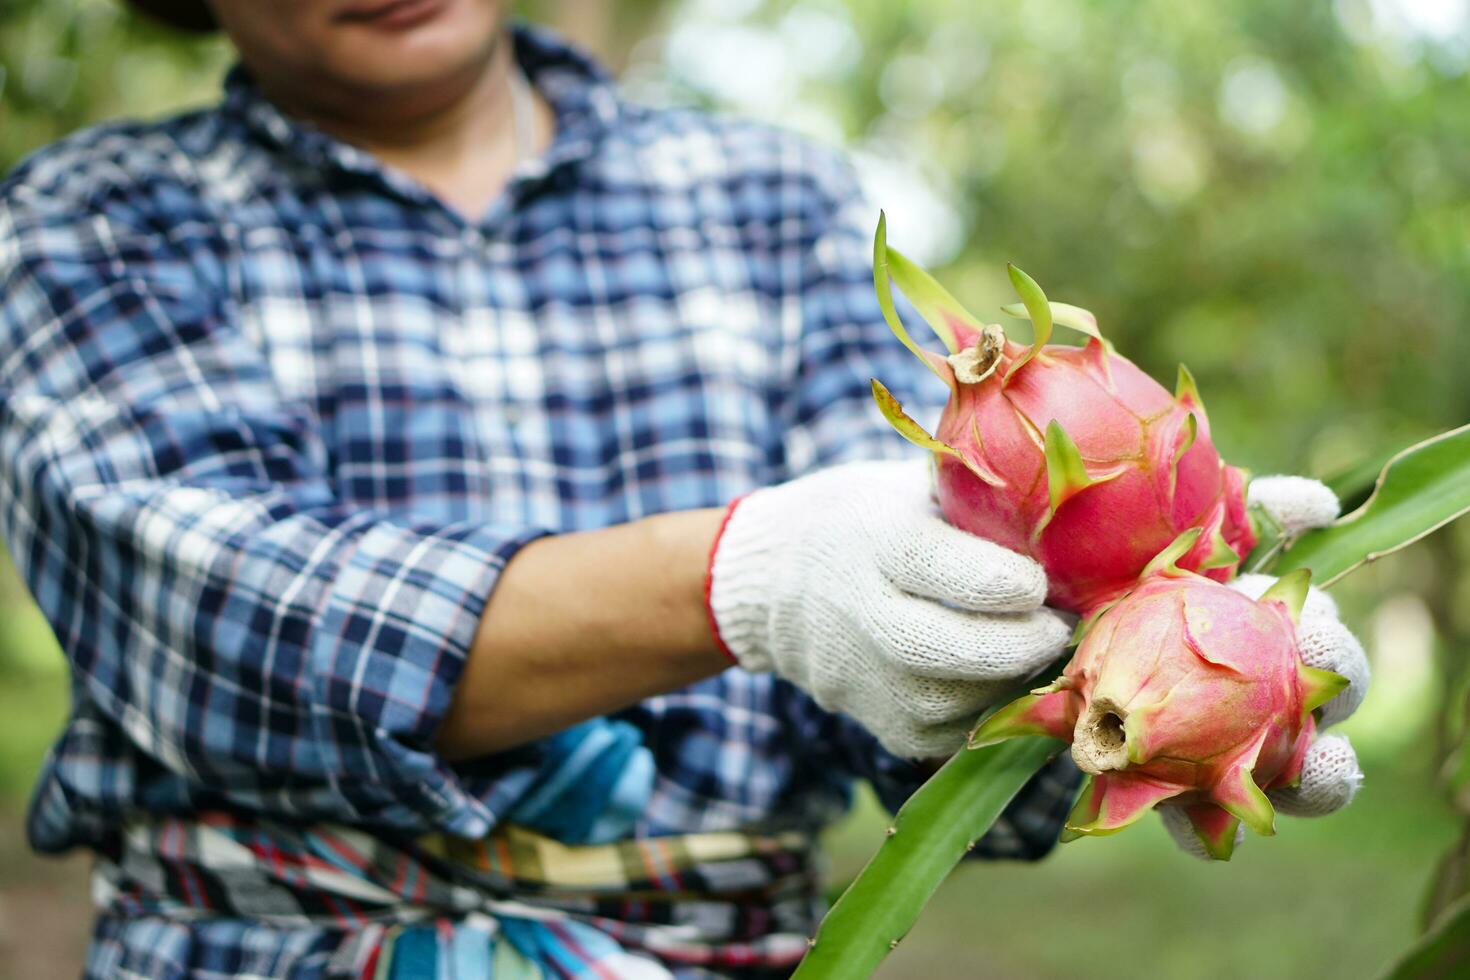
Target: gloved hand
[849,584]
[1330,774]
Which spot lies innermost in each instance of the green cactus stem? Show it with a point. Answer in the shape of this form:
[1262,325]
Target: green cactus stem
[928,837]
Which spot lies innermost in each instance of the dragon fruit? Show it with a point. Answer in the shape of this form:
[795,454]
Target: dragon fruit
[1070,455]
[1184,692]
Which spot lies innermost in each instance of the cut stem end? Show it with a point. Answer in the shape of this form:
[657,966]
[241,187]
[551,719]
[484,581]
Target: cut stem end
[1100,741]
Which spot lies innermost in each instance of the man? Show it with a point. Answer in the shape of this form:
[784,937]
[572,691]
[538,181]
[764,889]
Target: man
[366,441]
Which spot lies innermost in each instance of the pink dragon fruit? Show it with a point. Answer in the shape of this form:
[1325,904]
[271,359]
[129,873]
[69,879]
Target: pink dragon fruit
[1070,455]
[1184,691]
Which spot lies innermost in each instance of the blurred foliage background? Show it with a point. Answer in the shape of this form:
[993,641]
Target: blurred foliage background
[1275,193]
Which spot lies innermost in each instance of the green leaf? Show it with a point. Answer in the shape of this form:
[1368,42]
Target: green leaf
[1354,483]
[929,836]
[1420,490]
[1442,953]
[1291,591]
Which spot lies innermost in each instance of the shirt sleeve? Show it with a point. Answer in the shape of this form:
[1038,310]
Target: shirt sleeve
[845,343]
[178,525]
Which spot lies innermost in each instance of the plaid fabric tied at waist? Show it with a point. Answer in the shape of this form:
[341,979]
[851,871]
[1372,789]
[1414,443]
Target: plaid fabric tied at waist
[512,905]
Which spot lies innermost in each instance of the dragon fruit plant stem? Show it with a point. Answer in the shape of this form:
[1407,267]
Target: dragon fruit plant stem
[927,838]
[1070,455]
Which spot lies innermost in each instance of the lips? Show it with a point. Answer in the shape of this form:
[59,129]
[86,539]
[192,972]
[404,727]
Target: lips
[392,15]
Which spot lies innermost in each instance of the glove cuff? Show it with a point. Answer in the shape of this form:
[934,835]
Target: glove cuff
[709,580]
[736,585]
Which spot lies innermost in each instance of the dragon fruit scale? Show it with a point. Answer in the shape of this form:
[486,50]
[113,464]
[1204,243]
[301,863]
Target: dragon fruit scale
[1070,455]
[1183,692]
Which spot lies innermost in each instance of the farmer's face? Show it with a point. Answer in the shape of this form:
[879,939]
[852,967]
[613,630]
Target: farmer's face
[310,50]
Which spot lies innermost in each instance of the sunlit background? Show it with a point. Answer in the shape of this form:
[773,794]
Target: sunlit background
[1275,193]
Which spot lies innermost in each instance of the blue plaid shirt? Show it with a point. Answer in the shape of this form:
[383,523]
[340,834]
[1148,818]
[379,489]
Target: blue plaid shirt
[273,419]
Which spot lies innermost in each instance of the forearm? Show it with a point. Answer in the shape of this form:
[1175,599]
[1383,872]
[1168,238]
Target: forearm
[583,624]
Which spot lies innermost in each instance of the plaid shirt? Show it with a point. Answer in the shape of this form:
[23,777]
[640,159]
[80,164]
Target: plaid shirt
[273,419]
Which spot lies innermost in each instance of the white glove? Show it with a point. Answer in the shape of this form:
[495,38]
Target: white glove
[849,584]
[1330,774]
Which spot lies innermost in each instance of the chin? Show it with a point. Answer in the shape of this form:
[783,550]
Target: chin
[393,68]
[452,41]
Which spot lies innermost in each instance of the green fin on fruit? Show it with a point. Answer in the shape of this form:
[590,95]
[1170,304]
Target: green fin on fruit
[1166,562]
[1186,391]
[1238,793]
[1083,811]
[1039,311]
[1221,554]
[1215,829]
[1064,315]
[1291,591]
[1066,474]
[934,303]
[1111,803]
[1319,687]
[1246,801]
[1030,714]
[916,433]
[933,361]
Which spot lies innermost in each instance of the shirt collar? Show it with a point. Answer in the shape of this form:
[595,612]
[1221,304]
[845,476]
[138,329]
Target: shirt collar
[583,99]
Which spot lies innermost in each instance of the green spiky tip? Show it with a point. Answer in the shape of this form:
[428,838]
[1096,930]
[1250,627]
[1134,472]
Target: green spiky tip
[1010,721]
[1319,686]
[933,302]
[1063,315]
[884,292]
[1066,474]
[1220,848]
[1221,554]
[1291,591]
[1166,562]
[1083,812]
[1186,391]
[1215,829]
[1247,802]
[1109,805]
[904,424]
[1037,308]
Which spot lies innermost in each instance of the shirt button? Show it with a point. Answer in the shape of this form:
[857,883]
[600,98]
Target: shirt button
[472,238]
